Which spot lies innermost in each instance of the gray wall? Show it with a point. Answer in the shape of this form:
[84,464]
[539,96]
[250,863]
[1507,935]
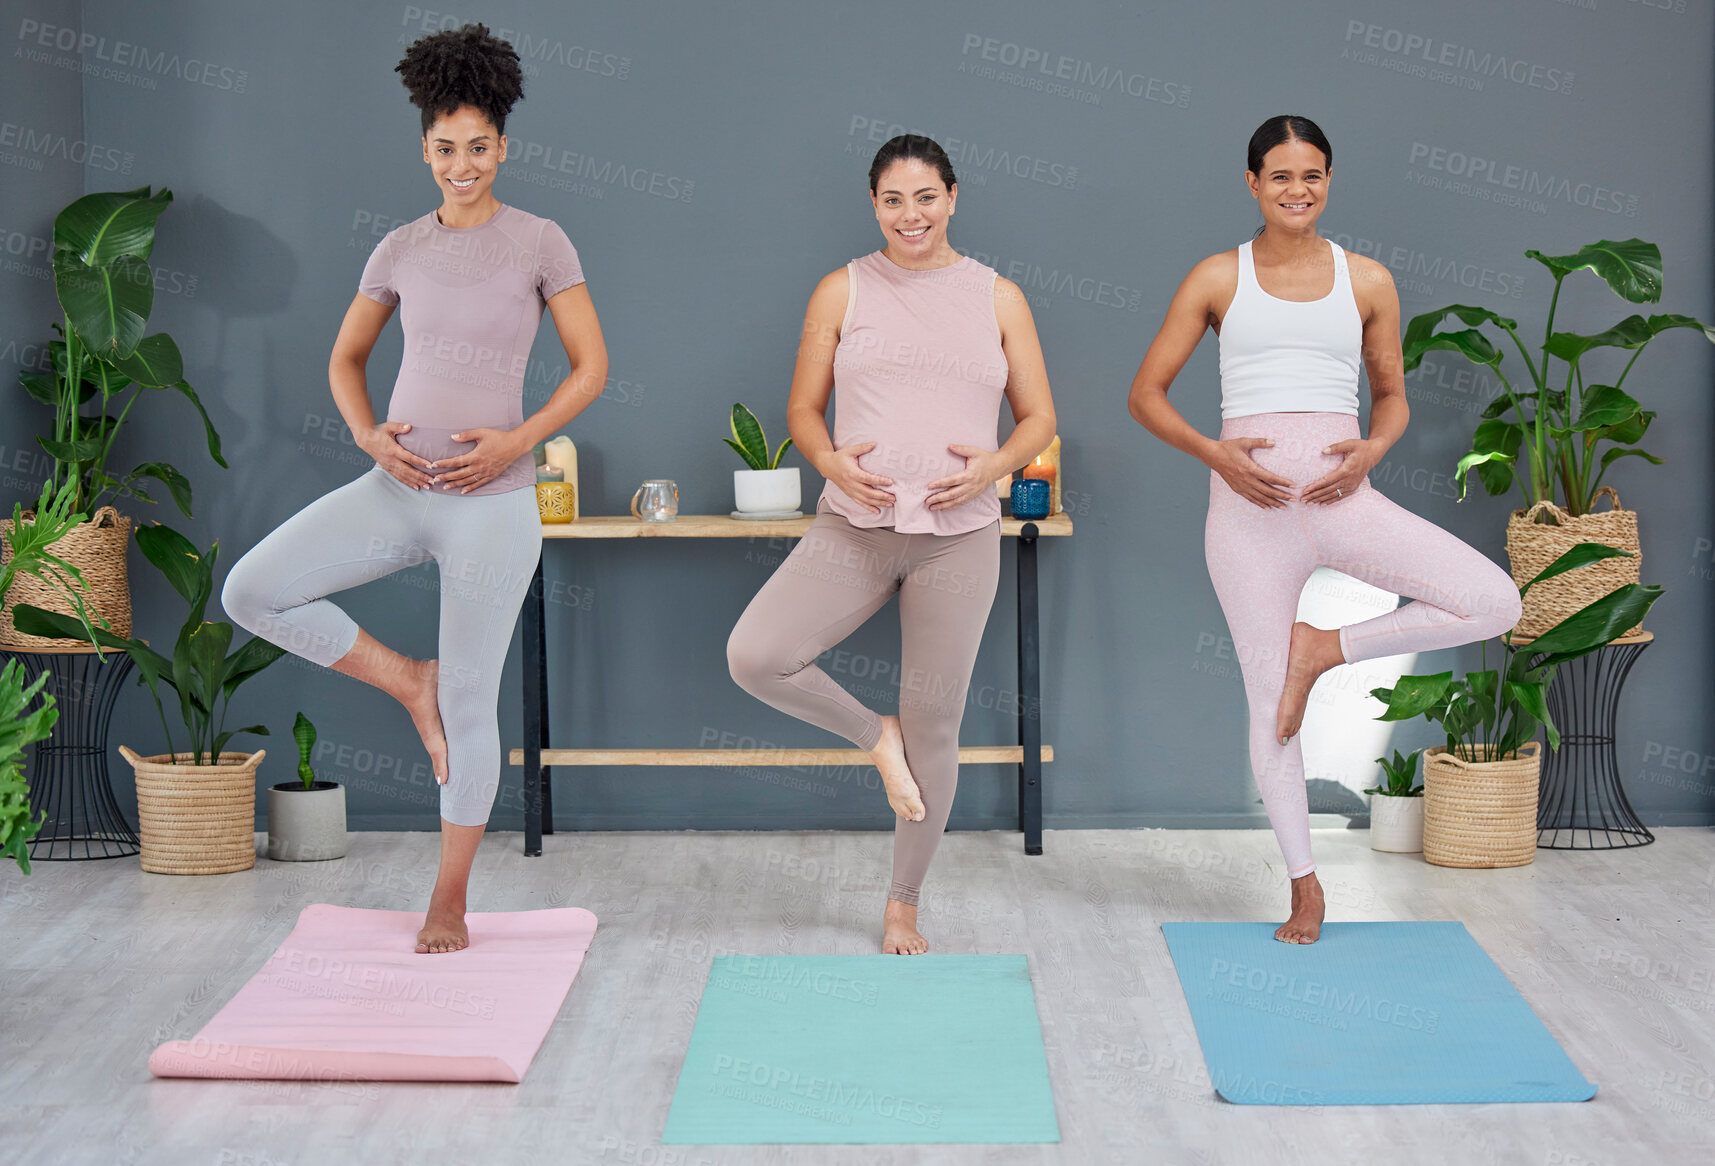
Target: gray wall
[743,133]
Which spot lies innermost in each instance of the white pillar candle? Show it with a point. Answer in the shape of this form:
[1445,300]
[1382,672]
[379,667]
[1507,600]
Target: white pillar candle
[562,455]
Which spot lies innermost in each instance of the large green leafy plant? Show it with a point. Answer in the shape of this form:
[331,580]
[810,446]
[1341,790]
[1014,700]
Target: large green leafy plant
[1504,708]
[202,670]
[102,362]
[1557,436]
[27,714]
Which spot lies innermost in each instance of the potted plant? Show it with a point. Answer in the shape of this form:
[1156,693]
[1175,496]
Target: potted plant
[1557,436]
[764,488]
[196,808]
[306,818]
[101,364]
[1396,806]
[1480,787]
[27,714]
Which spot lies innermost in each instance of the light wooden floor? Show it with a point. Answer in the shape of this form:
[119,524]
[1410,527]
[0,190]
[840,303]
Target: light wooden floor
[1615,951]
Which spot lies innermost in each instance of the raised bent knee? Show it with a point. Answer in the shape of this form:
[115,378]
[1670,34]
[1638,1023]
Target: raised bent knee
[243,596]
[752,665]
[1501,606]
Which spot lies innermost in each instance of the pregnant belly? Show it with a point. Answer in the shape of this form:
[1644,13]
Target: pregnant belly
[434,444]
[438,445]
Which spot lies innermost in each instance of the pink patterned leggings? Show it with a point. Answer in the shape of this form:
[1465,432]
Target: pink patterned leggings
[1259,560]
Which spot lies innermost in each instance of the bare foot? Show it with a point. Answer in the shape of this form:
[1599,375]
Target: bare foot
[443,928]
[1312,653]
[899,930]
[889,758]
[422,703]
[1308,907]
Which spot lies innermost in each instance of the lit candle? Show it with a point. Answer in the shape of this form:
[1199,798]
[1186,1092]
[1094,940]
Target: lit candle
[1047,466]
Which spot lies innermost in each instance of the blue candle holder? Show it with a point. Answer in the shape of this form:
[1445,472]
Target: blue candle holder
[1030,498]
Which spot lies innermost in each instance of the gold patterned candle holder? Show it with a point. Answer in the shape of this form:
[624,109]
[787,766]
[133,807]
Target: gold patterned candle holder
[556,501]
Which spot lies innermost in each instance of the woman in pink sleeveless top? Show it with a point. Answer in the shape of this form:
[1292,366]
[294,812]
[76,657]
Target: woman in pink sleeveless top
[453,478]
[918,345]
[1288,476]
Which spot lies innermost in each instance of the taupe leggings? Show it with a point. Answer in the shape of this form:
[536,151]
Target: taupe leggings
[837,577]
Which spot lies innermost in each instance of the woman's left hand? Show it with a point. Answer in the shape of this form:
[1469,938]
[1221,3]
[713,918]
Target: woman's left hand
[1360,458]
[958,489]
[496,449]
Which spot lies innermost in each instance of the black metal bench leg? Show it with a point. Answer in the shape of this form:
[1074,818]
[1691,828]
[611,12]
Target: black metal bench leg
[545,773]
[1030,700]
[535,668]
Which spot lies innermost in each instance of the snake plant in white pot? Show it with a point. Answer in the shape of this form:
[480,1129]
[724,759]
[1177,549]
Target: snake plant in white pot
[764,488]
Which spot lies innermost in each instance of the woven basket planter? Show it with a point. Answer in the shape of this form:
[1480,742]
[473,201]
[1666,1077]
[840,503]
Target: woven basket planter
[1480,813]
[97,548]
[196,819]
[1533,545]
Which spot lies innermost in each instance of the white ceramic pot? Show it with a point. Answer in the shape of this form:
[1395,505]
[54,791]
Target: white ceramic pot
[306,825]
[1396,824]
[759,491]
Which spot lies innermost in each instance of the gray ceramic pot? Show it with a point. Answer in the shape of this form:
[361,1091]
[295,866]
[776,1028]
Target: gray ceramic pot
[306,825]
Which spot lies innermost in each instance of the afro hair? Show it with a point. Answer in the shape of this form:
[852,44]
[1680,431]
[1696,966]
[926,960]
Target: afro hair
[467,66]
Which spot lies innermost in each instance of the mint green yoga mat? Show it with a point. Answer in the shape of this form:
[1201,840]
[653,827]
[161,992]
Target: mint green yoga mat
[864,1050]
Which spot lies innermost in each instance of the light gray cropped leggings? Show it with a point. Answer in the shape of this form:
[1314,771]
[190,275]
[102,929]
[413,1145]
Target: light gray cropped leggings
[486,547]
[836,578]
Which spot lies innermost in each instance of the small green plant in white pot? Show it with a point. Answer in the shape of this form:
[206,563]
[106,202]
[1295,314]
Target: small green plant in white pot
[306,818]
[764,488]
[1396,806]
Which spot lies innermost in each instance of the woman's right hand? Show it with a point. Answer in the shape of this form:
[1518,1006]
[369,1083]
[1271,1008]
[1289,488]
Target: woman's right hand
[381,442]
[1232,460]
[841,468]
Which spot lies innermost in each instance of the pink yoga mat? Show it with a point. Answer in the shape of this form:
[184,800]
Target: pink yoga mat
[346,999]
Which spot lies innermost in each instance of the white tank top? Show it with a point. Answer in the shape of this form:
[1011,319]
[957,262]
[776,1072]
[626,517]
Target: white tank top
[1283,356]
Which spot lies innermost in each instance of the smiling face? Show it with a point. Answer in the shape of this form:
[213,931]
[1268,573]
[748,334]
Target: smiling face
[1292,186]
[912,206]
[464,150]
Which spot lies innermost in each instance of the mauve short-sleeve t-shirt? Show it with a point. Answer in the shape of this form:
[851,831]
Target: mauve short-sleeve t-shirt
[470,300]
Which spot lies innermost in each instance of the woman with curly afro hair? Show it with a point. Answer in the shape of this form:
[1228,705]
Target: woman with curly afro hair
[453,478]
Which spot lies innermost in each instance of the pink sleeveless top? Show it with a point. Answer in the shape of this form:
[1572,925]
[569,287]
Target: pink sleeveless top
[919,367]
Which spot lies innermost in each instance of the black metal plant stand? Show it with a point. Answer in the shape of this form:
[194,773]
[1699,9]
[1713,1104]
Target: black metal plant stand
[68,771]
[1580,803]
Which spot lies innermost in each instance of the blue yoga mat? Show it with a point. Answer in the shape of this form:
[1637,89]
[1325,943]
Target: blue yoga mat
[1370,1014]
[864,1050]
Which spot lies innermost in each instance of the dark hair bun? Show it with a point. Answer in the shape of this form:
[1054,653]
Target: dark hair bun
[446,70]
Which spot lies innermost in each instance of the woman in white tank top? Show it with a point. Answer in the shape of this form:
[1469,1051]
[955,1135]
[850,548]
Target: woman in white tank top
[1288,484]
